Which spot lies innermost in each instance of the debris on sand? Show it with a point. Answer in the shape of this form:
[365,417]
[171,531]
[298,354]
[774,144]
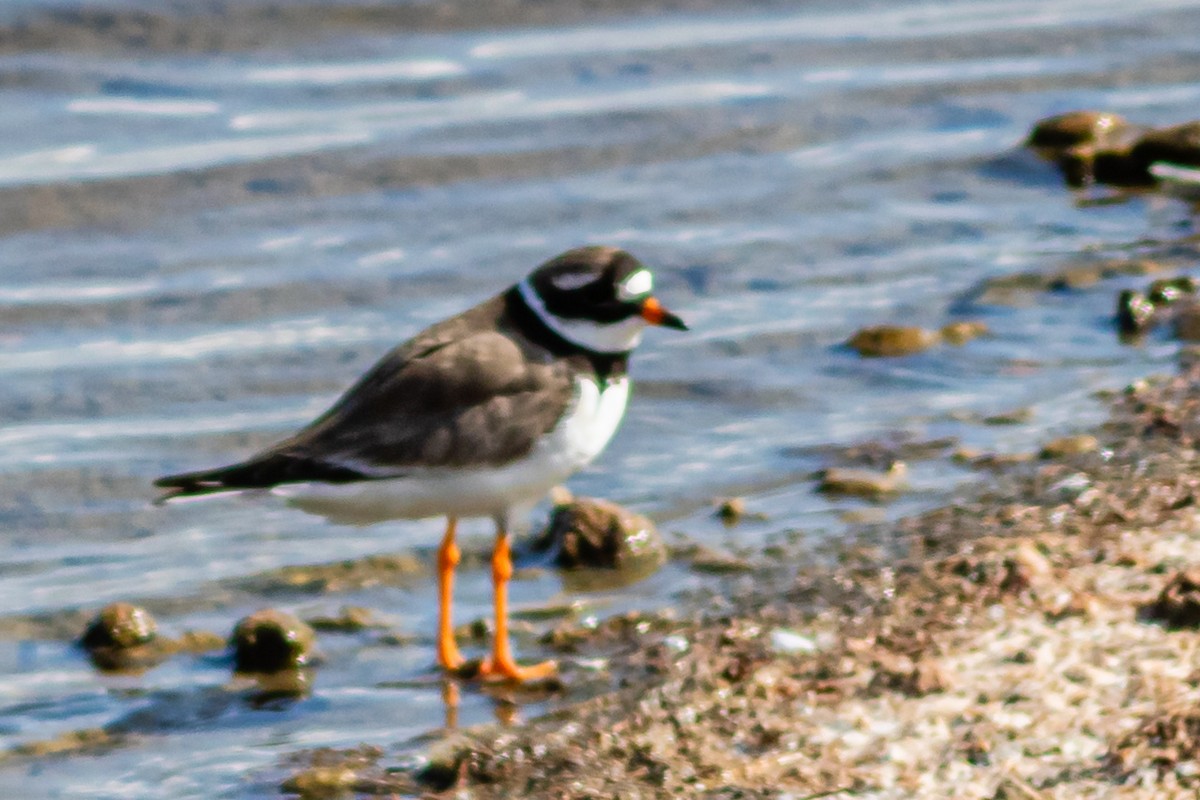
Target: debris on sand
[995,647]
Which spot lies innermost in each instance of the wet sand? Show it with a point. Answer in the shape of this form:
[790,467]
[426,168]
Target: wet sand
[1016,643]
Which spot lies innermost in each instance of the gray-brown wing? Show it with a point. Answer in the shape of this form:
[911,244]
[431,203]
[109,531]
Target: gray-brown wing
[459,394]
[470,402]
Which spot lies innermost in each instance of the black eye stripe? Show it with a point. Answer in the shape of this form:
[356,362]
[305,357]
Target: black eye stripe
[583,284]
[579,305]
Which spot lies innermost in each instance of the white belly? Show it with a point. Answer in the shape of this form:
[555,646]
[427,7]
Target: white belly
[494,492]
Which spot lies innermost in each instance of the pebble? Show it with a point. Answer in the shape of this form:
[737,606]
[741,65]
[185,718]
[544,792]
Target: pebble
[865,483]
[270,641]
[880,341]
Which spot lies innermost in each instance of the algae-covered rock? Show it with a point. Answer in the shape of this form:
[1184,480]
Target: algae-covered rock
[878,341]
[270,641]
[866,483]
[321,783]
[1165,301]
[959,333]
[731,511]
[1165,291]
[120,625]
[1177,144]
[1091,147]
[588,532]
[121,637]
[1135,313]
[1069,446]
[1074,128]
[706,560]
[350,619]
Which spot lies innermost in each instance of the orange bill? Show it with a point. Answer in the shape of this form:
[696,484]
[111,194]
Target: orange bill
[654,313]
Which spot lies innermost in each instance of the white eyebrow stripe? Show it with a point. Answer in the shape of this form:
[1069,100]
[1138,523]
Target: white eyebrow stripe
[572,280]
[638,284]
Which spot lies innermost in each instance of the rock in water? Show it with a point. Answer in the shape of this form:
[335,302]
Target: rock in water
[270,641]
[120,637]
[591,533]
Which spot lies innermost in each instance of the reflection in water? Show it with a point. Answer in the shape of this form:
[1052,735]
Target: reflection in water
[451,698]
[277,690]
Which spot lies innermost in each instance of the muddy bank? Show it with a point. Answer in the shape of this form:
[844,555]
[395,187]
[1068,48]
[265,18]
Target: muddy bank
[1033,640]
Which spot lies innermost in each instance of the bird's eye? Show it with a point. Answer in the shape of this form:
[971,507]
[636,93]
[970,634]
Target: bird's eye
[639,284]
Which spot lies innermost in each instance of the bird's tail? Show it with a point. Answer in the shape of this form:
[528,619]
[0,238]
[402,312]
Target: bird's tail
[198,484]
[264,472]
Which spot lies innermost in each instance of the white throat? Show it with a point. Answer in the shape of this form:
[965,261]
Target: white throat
[613,337]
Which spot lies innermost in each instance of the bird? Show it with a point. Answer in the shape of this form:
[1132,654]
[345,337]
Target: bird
[478,415]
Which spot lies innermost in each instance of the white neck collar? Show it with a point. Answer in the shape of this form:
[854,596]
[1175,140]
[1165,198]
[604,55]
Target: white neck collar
[607,338]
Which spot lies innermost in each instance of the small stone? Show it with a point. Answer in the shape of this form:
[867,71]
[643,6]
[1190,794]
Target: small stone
[122,637]
[1178,605]
[732,510]
[676,644]
[350,619]
[790,642]
[321,783]
[1000,461]
[120,625]
[1018,416]
[1135,313]
[965,455]
[1091,147]
[1109,161]
[477,630]
[587,532]
[1078,277]
[441,774]
[713,562]
[1165,291]
[865,483]
[548,611]
[1069,446]
[959,333]
[271,641]
[880,341]
[1073,128]
[1178,144]
[1026,569]
[1074,604]
[1031,558]
[863,516]
[918,678]
[87,740]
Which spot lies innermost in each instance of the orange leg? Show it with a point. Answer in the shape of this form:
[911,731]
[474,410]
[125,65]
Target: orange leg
[501,665]
[448,558]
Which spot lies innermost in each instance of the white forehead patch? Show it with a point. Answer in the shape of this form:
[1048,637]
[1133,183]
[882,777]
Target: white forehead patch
[638,284]
[569,281]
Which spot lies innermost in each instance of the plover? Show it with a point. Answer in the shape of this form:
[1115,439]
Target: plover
[478,415]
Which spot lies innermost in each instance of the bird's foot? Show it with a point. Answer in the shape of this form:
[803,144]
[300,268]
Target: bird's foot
[506,669]
[449,658]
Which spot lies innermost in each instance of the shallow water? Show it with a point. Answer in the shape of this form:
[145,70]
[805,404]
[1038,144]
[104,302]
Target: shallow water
[203,243]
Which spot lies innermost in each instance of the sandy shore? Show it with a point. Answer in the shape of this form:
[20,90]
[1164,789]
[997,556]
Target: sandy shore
[1036,640]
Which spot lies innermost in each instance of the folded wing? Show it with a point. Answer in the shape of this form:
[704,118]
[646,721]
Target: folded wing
[462,402]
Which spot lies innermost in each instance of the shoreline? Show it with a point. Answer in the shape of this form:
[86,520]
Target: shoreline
[1010,644]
